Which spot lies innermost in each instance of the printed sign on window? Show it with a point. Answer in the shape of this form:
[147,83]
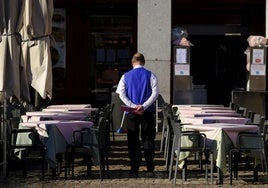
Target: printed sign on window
[258,56]
[182,69]
[257,70]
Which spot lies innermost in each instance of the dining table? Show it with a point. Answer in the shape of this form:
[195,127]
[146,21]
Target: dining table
[213,119]
[57,108]
[56,136]
[202,107]
[53,115]
[203,111]
[221,137]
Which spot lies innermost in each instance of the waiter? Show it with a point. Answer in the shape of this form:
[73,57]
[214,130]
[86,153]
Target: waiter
[138,89]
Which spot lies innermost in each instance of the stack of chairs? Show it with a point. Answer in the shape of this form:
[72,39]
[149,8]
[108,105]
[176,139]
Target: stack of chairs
[29,154]
[249,143]
[176,146]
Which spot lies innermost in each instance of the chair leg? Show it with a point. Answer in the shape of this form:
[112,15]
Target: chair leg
[200,160]
[66,165]
[167,150]
[231,167]
[265,163]
[171,159]
[43,166]
[184,170]
[236,159]
[100,165]
[167,143]
[89,165]
[72,162]
[178,141]
[163,136]
[176,168]
[211,168]
[106,164]
[255,174]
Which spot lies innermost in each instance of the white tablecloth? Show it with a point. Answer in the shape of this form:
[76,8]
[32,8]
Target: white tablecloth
[221,137]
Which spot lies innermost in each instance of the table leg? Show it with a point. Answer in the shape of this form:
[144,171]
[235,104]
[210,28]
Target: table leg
[255,173]
[220,176]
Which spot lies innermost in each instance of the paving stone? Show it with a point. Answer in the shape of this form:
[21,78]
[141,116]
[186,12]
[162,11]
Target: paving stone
[119,176]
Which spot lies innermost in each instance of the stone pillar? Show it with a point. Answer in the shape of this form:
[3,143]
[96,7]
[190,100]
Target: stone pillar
[154,40]
[266,19]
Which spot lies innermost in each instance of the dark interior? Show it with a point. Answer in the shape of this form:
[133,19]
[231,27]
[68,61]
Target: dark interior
[218,31]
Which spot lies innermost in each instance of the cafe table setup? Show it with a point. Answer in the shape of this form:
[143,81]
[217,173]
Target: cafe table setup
[221,137]
[220,128]
[56,128]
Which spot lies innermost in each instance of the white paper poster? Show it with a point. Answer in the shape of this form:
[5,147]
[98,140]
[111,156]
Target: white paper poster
[258,56]
[257,70]
[181,55]
[182,69]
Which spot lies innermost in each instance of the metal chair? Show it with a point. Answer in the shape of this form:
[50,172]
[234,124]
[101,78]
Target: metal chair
[29,153]
[85,141]
[197,140]
[165,134]
[83,146]
[252,145]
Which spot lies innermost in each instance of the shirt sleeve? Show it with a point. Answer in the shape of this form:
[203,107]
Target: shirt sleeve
[121,90]
[155,92]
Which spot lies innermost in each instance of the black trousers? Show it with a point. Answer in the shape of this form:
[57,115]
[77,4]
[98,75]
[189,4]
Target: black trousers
[144,125]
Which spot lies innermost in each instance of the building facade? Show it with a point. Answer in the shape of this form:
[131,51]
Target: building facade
[101,35]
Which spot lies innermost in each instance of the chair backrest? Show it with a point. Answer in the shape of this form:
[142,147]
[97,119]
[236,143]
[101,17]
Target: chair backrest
[194,138]
[236,107]
[103,135]
[250,141]
[232,105]
[85,137]
[242,111]
[264,131]
[253,141]
[256,119]
[250,115]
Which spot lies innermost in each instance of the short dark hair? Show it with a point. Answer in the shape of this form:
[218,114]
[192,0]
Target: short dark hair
[138,57]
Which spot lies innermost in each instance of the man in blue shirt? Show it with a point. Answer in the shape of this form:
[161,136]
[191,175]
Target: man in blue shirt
[138,89]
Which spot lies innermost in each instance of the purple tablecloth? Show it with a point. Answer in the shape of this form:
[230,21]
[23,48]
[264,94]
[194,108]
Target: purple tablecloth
[57,134]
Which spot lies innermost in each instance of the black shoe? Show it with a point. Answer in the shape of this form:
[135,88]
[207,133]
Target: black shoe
[133,174]
[150,168]
[133,171]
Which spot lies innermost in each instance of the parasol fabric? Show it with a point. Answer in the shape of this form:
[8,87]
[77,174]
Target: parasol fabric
[36,31]
[12,73]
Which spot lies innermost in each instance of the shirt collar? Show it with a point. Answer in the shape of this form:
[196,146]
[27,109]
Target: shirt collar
[137,66]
